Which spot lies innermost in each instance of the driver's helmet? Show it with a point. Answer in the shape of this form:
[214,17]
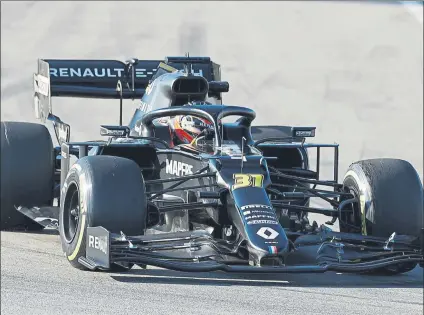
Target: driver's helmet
[187,128]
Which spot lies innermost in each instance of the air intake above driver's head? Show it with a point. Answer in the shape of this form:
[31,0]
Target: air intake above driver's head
[190,85]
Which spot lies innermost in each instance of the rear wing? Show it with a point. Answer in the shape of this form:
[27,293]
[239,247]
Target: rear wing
[107,79]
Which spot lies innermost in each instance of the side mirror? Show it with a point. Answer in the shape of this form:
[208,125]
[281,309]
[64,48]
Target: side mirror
[114,131]
[303,132]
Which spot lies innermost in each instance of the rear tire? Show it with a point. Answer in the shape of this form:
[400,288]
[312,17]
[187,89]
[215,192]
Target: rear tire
[27,172]
[391,196]
[105,191]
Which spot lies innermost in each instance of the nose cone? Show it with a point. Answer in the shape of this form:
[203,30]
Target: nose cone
[269,245]
[250,209]
[260,227]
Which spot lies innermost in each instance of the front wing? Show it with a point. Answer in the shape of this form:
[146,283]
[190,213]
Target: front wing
[197,251]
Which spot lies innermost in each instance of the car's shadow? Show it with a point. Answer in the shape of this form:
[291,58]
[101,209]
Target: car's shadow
[413,279]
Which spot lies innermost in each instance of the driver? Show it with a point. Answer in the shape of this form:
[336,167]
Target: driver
[188,129]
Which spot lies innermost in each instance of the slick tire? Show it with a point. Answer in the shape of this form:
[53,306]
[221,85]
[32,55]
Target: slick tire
[391,200]
[105,191]
[27,172]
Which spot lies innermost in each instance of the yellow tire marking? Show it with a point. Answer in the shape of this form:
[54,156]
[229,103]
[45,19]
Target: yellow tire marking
[81,234]
[83,211]
[362,199]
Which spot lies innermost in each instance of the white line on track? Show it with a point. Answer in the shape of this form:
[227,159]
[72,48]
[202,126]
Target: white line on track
[209,279]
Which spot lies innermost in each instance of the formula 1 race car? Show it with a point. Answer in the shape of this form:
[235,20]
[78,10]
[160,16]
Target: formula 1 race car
[234,198]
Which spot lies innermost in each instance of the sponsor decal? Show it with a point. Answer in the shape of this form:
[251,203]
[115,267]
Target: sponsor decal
[96,72]
[304,133]
[258,212]
[262,222]
[143,73]
[104,131]
[63,131]
[86,72]
[178,168]
[163,121]
[255,207]
[98,242]
[260,216]
[116,133]
[43,85]
[144,107]
[247,212]
[247,180]
[267,233]
[271,242]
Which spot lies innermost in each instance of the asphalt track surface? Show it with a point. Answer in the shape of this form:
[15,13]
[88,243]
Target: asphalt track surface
[353,70]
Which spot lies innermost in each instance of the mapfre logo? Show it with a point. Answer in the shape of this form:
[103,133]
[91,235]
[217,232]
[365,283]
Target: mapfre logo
[178,168]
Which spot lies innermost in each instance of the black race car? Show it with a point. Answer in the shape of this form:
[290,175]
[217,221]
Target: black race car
[237,199]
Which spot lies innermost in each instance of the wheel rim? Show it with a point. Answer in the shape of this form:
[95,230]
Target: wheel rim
[354,220]
[71,212]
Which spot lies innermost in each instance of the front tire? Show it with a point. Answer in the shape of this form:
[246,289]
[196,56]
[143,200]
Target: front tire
[391,200]
[102,191]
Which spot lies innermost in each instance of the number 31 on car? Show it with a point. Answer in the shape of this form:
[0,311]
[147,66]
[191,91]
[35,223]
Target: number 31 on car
[247,180]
